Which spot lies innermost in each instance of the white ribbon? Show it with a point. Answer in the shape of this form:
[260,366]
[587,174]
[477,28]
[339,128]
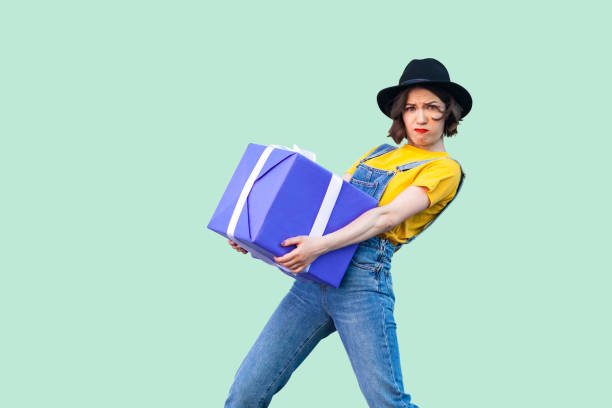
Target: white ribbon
[246,189]
[327,206]
[320,222]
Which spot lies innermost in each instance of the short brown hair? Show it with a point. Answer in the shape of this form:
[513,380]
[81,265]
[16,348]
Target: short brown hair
[451,116]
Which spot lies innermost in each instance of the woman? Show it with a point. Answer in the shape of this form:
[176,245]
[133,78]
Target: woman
[413,184]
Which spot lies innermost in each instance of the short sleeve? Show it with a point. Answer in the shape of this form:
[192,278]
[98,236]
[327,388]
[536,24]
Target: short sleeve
[441,178]
[354,166]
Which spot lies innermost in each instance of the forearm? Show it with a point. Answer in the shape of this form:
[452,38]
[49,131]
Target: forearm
[367,225]
[377,220]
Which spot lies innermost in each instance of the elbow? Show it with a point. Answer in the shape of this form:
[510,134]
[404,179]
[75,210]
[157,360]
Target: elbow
[385,220]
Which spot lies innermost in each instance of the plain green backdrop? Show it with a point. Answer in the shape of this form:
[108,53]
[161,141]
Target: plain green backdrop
[122,122]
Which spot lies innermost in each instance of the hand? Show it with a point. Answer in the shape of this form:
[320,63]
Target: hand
[308,249]
[237,247]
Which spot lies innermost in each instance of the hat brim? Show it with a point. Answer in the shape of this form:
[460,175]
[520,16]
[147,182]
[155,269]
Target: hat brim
[386,96]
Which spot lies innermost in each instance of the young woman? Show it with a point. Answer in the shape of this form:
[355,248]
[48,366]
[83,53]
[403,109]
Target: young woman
[413,184]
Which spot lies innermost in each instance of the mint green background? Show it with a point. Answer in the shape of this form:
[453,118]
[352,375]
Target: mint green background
[122,123]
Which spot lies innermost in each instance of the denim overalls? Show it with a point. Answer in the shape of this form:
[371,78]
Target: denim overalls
[361,310]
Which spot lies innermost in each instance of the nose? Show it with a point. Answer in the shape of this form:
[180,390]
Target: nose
[421,117]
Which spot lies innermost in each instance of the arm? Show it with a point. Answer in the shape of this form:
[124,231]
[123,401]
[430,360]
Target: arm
[371,223]
[377,220]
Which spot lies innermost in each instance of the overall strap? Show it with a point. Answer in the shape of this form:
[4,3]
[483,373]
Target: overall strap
[379,151]
[414,164]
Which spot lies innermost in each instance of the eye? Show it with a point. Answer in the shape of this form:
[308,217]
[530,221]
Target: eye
[434,107]
[409,108]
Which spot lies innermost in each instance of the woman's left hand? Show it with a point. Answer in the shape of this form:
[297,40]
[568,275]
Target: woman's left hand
[308,249]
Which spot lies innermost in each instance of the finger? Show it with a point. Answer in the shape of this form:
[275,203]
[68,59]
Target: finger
[283,264]
[292,270]
[296,269]
[290,267]
[237,247]
[293,264]
[285,258]
[292,241]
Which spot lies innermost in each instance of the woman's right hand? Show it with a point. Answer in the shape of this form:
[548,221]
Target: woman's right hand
[237,247]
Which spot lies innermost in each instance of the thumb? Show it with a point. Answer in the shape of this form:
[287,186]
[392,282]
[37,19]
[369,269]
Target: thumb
[291,241]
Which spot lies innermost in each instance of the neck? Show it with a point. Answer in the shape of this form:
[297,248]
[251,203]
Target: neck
[437,147]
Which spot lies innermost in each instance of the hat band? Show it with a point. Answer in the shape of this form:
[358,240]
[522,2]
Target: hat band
[412,80]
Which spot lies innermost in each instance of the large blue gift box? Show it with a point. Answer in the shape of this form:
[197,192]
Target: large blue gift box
[276,193]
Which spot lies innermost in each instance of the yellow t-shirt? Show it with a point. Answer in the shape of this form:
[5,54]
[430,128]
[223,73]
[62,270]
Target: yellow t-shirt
[440,177]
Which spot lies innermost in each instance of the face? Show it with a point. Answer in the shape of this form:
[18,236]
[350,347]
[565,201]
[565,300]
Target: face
[422,107]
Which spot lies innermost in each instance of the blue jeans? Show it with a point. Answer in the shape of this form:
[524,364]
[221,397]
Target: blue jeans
[361,310]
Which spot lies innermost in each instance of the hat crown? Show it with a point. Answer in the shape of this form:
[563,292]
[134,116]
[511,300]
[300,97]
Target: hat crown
[423,71]
[427,69]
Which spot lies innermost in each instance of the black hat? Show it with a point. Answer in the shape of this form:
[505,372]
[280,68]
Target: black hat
[426,70]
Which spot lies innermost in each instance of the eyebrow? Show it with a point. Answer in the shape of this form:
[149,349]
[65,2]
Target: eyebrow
[427,103]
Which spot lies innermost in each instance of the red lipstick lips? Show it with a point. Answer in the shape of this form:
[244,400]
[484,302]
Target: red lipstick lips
[420,130]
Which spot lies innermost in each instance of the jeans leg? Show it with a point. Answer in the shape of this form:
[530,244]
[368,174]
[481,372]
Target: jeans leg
[362,309]
[294,329]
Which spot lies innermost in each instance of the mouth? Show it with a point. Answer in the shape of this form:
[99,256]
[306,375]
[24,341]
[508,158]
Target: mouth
[420,130]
